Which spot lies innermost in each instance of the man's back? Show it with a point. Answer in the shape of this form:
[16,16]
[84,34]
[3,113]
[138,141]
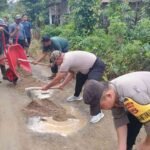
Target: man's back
[59,43]
[135,85]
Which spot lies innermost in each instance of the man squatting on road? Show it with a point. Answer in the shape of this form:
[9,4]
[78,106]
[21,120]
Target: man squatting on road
[128,97]
[85,66]
[49,45]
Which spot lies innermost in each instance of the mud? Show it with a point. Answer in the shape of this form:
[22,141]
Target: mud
[46,108]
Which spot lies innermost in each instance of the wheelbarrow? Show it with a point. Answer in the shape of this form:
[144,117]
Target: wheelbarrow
[11,55]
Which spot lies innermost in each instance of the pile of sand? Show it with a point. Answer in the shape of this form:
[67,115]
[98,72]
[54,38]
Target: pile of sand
[46,108]
[42,108]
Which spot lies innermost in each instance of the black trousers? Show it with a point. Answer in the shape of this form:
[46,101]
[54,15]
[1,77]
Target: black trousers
[80,81]
[133,130]
[29,41]
[3,70]
[95,73]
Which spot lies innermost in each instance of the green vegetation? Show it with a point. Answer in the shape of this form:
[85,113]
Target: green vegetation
[118,33]
[124,44]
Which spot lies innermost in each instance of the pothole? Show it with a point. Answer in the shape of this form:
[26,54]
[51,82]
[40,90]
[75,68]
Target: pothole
[47,117]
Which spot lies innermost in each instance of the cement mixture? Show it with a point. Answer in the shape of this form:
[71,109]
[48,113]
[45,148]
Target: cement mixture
[47,117]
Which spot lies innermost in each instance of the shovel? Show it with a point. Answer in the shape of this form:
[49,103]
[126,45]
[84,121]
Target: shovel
[30,61]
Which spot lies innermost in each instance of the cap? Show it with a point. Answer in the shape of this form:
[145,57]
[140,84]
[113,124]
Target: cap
[18,16]
[2,22]
[54,56]
[92,93]
[45,38]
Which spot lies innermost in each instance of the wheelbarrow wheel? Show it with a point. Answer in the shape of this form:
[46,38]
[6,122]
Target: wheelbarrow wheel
[11,76]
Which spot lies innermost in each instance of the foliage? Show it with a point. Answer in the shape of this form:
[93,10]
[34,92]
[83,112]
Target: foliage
[119,33]
[51,31]
[3,7]
[37,10]
[142,30]
[85,16]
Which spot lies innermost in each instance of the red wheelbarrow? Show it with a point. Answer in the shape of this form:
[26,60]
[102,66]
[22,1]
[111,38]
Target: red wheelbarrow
[11,56]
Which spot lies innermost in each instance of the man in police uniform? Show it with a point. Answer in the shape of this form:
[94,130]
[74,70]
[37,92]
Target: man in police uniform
[129,98]
[84,66]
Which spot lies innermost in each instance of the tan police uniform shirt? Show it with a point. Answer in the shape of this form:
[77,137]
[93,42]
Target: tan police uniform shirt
[135,86]
[78,61]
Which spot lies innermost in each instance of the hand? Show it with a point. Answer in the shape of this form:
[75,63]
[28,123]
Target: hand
[59,86]
[44,88]
[142,147]
[34,62]
[1,28]
[17,28]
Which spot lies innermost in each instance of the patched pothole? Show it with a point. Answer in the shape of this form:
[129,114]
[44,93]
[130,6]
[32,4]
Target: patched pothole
[47,117]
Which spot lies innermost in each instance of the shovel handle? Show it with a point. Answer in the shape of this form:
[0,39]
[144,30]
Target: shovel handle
[30,61]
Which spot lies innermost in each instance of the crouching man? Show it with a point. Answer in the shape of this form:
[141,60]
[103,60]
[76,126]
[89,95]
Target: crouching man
[129,98]
[49,45]
[85,66]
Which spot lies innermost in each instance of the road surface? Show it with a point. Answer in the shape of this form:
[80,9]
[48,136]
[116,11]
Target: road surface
[14,134]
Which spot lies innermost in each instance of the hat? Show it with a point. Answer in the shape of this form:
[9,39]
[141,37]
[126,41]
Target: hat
[45,38]
[18,16]
[92,93]
[54,56]
[2,22]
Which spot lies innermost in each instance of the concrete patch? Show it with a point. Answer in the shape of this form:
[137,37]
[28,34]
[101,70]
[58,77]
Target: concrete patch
[47,125]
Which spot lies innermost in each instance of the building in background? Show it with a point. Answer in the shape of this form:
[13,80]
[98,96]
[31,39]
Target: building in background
[57,10]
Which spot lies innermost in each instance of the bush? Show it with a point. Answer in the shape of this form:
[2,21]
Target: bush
[131,57]
[51,31]
[142,31]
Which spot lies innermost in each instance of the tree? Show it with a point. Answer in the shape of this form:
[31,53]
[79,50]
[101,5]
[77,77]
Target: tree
[3,5]
[37,10]
[85,15]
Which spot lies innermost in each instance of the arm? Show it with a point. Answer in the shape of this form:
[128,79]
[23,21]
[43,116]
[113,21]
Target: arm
[55,81]
[13,33]
[68,78]
[122,137]
[1,28]
[40,59]
[121,121]
[146,144]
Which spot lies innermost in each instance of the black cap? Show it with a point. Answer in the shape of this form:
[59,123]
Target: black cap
[45,38]
[92,93]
